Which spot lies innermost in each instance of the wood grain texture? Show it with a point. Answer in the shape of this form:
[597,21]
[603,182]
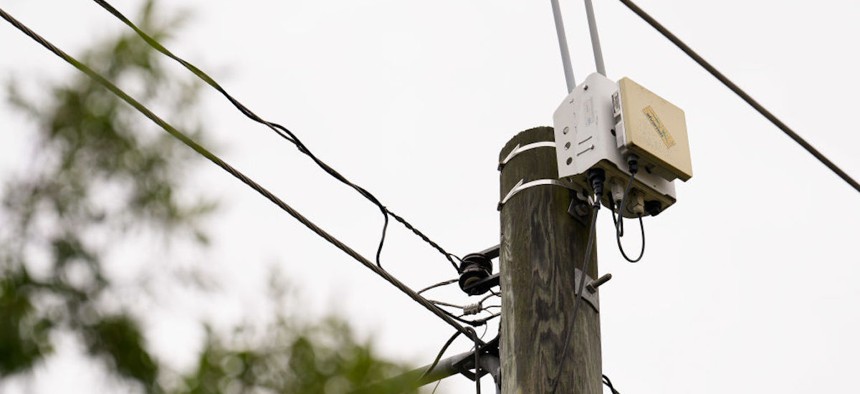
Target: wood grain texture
[540,246]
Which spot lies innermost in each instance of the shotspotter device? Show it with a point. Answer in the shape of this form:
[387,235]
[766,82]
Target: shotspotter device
[604,124]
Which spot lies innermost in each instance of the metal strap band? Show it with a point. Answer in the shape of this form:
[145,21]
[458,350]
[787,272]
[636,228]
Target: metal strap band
[520,186]
[520,149]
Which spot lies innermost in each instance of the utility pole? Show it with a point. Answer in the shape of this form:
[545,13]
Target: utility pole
[542,247]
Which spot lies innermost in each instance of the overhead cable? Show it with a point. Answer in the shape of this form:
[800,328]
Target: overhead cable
[232,171]
[741,93]
[284,133]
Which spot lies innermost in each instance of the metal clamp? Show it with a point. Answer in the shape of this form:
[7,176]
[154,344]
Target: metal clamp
[520,149]
[520,186]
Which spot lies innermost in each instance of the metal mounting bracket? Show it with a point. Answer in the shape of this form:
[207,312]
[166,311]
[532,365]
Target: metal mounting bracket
[592,298]
[579,209]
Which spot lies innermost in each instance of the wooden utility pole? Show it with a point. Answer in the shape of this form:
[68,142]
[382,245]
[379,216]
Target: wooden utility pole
[541,245]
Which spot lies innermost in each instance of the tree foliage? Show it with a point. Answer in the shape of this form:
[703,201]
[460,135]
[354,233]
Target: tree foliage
[290,357]
[97,179]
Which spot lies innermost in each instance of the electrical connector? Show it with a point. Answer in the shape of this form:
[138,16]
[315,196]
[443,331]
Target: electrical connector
[633,163]
[635,203]
[596,177]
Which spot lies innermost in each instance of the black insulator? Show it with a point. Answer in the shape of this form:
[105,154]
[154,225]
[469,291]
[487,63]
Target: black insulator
[473,269]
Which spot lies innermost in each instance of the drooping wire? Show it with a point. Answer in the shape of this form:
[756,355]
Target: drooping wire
[436,386]
[285,134]
[440,284]
[477,361]
[488,296]
[491,317]
[170,129]
[741,93]
[641,251]
[608,383]
[439,355]
[486,328]
[585,266]
[619,224]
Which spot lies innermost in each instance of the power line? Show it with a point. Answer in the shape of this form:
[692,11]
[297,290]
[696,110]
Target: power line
[232,171]
[741,93]
[285,134]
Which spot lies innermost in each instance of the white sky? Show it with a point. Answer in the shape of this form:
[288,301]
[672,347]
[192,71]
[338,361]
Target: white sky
[748,283]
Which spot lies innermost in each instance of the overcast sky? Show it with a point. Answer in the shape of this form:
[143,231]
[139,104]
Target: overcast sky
[748,284]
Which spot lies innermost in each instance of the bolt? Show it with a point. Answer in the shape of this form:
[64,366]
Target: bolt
[592,287]
[581,209]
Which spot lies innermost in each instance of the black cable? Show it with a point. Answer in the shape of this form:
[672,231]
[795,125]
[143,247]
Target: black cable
[641,251]
[487,297]
[491,317]
[585,266]
[436,386]
[741,93]
[619,225]
[439,355]
[229,169]
[619,232]
[284,133]
[486,328]
[608,383]
[477,362]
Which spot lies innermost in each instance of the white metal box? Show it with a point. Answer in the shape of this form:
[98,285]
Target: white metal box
[586,127]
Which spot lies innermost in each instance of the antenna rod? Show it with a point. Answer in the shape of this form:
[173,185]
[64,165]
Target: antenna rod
[562,44]
[595,39]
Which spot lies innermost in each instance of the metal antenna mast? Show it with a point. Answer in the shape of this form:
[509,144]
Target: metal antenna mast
[595,39]
[565,51]
[562,44]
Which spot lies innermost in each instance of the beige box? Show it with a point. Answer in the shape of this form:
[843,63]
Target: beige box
[654,129]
